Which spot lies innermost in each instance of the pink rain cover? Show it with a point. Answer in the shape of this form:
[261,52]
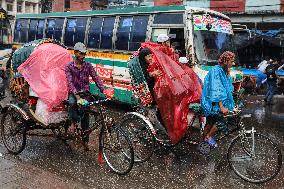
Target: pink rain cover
[44,70]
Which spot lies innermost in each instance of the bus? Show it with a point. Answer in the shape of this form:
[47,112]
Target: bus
[5,38]
[112,36]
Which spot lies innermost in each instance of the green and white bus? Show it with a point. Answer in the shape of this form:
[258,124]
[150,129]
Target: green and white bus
[112,36]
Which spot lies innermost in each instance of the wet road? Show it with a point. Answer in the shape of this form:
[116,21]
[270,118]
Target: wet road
[48,163]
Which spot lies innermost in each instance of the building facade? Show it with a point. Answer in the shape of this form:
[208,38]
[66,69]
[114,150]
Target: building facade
[20,6]
[236,5]
[167,2]
[70,5]
[82,5]
[14,7]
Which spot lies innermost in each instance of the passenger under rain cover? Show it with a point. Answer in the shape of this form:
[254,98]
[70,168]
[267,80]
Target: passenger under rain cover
[44,71]
[23,53]
[174,90]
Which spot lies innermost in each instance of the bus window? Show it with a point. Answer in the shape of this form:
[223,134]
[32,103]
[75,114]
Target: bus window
[32,30]
[156,32]
[177,39]
[131,32]
[36,29]
[168,19]
[107,32]
[75,31]
[70,32]
[139,29]
[54,28]
[80,30]
[50,28]
[94,36]
[21,31]
[40,29]
[123,33]
[176,36]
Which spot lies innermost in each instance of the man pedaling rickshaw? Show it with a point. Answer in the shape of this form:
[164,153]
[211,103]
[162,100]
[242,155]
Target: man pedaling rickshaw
[217,96]
[78,73]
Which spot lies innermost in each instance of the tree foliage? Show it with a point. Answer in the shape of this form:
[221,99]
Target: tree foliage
[98,4]
[46,6]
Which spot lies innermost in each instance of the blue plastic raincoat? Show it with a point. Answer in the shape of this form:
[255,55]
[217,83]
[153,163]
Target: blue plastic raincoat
[217,87]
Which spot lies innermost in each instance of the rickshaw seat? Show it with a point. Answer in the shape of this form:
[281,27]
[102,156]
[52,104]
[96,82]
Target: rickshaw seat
[140,86]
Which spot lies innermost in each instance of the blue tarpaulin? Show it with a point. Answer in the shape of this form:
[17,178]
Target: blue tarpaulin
[255,72]
[280,73]
[259,75]
[270,33]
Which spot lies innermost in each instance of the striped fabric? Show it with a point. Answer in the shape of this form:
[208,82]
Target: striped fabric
[19,88]
[229,5]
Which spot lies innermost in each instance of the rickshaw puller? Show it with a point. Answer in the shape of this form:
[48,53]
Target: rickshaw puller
[217,96]
[78,73]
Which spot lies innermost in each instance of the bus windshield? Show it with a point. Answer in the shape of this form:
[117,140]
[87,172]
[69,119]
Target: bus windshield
[210,44]
[211,37]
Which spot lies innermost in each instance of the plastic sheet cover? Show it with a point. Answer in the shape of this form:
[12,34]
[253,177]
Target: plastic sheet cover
[174,91]
[217,87]
[44,70]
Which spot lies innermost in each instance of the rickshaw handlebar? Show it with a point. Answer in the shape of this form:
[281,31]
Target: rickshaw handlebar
[90,103]
[98,102]
[233,113]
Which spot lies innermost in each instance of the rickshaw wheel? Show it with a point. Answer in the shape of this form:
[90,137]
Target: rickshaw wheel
[117,150]
[13,131]
[142,139]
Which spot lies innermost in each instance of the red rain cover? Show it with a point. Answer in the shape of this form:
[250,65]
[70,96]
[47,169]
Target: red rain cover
[44,70]
[174,90]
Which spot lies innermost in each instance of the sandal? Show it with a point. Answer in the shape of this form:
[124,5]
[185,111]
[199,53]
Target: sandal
[211,141]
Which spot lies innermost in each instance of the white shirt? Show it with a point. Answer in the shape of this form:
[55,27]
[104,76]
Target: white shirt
[262,66]
[281,67]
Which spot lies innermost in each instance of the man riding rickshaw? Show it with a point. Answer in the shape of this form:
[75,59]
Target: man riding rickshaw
[51,92]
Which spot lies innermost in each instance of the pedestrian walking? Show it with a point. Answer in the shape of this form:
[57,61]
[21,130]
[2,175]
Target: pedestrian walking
[271,82]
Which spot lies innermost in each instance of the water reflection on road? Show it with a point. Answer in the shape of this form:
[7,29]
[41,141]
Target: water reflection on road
[178,167]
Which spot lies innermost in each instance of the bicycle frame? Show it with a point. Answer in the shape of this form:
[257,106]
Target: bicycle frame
[242,134]
[101,121]
[190,125]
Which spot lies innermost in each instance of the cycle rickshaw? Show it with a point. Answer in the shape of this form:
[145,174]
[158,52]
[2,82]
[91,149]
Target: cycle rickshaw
[252,156]
[28,112]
